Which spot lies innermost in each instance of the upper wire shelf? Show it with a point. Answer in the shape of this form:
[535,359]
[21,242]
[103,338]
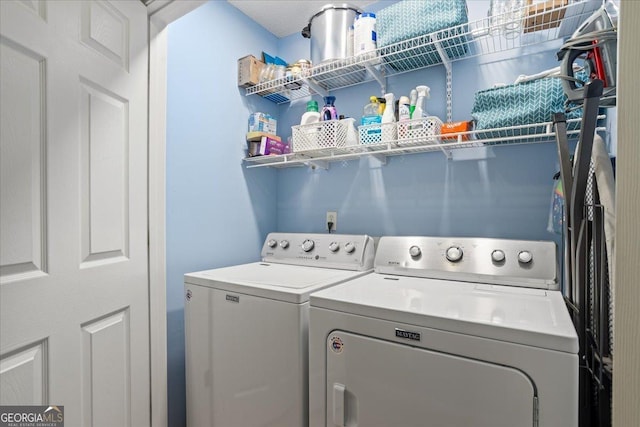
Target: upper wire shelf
[512,135]
[528,26]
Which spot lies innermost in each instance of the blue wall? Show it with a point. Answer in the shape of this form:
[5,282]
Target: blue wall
[506,193]
[218,212]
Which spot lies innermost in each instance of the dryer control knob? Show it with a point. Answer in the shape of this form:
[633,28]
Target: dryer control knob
[272,243]
[415,251]
[497,255]
[307,245]
[349,247]
[525,257]
[284,244]
[454,254]
[334,246]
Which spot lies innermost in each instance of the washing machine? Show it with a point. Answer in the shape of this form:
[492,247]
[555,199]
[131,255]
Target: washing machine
[247,329]
[447,332]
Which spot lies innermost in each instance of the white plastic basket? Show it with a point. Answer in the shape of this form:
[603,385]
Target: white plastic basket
[377,133]
[326,134]
[424,130]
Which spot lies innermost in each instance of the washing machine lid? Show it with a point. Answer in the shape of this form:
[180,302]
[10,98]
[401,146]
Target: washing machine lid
[534,317]
[283,282]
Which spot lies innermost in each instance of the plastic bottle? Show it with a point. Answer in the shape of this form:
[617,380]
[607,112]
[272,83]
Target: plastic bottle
[382,104]
[364,34]
[370,114]
[329,111]
[423,94]
[388,115]
[404,115]
[312,115]
[412,103]
[404,109]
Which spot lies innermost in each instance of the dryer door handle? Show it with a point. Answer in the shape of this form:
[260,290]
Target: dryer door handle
[339,404]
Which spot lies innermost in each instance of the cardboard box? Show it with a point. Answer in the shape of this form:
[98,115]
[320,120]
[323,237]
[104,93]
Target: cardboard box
[249,68]
[261,122]
[542,15]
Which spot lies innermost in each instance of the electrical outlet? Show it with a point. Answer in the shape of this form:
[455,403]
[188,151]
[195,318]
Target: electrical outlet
[332,217]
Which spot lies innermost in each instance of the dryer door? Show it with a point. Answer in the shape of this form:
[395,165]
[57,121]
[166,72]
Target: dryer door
[376,383]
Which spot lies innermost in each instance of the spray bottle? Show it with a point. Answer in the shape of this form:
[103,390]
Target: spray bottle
[423,94]
[412,102]
[388,116]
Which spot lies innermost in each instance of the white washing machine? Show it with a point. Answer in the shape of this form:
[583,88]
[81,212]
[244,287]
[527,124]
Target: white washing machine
[247,329]
[448,332]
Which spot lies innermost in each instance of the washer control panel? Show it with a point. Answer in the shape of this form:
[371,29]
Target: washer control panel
[497,261]
[343,251]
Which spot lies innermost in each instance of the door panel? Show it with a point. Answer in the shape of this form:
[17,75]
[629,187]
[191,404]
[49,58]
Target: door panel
[74,302]
[22,375]
[373,383]
[22,163]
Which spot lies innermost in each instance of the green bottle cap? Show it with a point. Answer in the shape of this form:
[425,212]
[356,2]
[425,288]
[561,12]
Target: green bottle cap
[312,106]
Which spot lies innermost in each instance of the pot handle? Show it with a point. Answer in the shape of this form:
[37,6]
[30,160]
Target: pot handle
[306,31]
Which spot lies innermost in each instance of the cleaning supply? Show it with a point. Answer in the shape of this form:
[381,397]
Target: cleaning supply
[370,114]
[312,115]
[423,94]
[329,111]
[382,104]
[388,119]
[412,103]
[388,115]
[404,109]
[404,114]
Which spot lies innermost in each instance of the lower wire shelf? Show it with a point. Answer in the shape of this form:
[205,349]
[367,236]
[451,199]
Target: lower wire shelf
[512,135]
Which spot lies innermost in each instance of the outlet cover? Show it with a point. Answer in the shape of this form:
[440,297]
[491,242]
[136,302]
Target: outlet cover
[332,217]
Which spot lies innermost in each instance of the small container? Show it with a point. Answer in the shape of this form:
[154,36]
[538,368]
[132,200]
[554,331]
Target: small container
[329,111]
[456,127]
[364,34]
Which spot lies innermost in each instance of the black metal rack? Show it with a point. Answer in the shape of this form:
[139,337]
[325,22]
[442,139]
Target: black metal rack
[585,259]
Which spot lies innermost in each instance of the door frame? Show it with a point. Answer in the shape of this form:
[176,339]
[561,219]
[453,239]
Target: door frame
[161,13]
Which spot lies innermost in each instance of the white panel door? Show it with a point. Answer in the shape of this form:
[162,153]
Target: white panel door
[74,327]
[378,383]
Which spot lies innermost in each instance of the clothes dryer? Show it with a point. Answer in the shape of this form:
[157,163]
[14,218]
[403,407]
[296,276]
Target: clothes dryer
[450,332]
[246,329]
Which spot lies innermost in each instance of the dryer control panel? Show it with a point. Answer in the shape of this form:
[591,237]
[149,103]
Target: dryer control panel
[342,251]
[481,260]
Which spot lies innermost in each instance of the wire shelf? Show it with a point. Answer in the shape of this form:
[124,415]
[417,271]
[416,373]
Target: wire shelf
[516,30]
[513,135]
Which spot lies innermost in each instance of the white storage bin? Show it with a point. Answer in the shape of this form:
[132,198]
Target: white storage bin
[314,136]
[376,133]
[425,131]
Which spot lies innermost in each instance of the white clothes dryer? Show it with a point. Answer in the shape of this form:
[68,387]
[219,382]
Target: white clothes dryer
[247,329]
[448,332]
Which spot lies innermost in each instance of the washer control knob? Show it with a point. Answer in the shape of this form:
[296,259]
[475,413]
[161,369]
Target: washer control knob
[497,255]
[349,247]
[284,244]
[308,245]
[334,246]
[525,257]
[415,251]
[272,243]
[454,254]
